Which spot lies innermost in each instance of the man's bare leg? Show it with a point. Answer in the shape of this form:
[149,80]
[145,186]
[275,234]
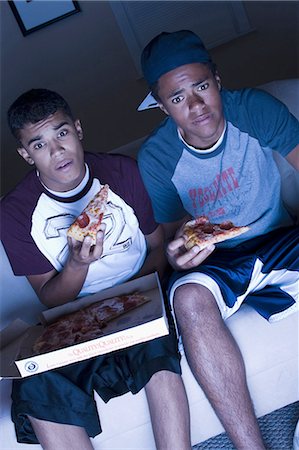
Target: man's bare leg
[217,364]
[54,436]
[169,411]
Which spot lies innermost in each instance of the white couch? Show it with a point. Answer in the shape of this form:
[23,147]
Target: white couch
[270,351]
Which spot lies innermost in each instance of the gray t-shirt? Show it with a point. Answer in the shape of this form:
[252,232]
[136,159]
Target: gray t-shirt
[238,180]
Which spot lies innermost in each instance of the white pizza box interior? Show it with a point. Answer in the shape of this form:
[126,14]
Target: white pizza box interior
[146,322]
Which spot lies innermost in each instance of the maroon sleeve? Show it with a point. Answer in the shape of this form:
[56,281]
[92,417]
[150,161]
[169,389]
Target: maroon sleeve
[141,202]
[15,213]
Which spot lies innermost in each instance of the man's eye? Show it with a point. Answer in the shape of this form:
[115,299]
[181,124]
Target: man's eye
[62,133]
[177,99]
[202,87]
[38,146]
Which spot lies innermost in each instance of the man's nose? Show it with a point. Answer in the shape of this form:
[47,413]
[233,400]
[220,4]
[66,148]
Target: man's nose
[56,147]
[196,102]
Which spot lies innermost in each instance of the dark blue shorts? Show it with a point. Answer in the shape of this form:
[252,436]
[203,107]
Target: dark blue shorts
[263,272]
[66,395]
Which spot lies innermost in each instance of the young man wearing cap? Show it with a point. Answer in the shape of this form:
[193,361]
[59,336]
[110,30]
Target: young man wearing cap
[213,156]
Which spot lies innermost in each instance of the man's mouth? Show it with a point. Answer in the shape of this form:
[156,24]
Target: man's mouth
[202,119]
[63,165]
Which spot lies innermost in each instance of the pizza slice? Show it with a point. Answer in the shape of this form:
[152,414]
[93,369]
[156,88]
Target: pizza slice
[87,323]
[111,308]
[202,232]
[89,221]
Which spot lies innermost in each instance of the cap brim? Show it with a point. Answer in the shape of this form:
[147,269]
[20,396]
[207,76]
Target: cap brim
[148,103]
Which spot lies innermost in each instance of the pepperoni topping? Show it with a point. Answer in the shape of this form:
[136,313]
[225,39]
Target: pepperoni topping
[207,228]
[227,225]
[83,220]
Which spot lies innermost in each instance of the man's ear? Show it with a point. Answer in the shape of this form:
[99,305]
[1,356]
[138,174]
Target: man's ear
[79,129]
[23,152]
[162,107]
[218,80]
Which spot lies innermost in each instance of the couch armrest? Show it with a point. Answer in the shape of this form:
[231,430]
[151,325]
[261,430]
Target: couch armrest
[17,296]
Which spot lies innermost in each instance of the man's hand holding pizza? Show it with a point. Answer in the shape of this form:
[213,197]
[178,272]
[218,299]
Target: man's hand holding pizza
[195,240]
[181,258]
[86,252]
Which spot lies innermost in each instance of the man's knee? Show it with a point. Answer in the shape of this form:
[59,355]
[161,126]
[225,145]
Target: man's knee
[162,377]
[193,297]
[195,306]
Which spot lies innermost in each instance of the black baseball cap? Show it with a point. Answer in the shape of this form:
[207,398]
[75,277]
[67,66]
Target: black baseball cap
[167,51]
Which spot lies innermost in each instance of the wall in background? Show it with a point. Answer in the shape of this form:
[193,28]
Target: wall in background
[85,58]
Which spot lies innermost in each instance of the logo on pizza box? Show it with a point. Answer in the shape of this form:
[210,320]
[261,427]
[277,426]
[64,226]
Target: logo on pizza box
[31,366]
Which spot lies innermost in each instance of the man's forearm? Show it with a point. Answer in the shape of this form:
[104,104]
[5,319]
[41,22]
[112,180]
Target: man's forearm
[54,288]
[63,287]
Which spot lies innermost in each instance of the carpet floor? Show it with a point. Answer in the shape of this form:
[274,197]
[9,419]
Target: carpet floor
[277,428]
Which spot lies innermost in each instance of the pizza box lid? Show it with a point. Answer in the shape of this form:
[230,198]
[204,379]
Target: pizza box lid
[146,322]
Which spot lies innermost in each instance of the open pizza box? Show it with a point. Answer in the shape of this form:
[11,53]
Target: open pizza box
[146,322]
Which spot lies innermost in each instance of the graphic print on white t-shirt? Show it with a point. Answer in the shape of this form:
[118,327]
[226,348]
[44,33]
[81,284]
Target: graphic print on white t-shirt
[124,247]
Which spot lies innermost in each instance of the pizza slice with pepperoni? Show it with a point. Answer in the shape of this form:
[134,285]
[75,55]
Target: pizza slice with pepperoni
[89,221]
[87,323]
[202,232]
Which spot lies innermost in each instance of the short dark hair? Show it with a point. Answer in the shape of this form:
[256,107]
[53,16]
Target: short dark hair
[155,87]
[33,106]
